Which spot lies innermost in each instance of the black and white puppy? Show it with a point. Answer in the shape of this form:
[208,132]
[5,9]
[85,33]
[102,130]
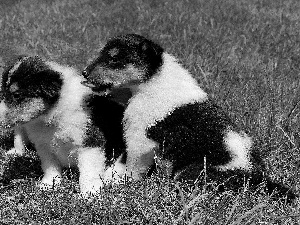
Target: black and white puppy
[168,109]
[67,124]
[169,115]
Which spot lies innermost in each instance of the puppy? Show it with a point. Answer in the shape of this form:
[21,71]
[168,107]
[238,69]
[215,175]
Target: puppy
[169,116]
[67,124]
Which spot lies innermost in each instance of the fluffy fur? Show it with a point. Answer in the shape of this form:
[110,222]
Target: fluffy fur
[169,116]
[67,124]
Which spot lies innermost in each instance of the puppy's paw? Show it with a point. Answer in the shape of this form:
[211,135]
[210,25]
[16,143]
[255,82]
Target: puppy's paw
[113,176]
[49,183]
[90,188]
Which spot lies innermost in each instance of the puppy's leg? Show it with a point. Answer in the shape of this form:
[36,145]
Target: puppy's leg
[20,140]
[91,165]
[140,156]
[50,166]
[115,172]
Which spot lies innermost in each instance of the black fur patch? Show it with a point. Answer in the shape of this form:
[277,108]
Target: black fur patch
[106,126]
[34,79]
[190,133]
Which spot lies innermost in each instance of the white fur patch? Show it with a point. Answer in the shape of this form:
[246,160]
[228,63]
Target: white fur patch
[72,119]
[19,142]
[91,163]
[121,76]
[239,147]
[113,52]
[15,67]
[13,87]
[3,111]
[172,87]
[12,115]
[115,172]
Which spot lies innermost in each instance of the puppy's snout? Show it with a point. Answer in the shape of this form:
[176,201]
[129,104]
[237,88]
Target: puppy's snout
[1,95]
[85,73]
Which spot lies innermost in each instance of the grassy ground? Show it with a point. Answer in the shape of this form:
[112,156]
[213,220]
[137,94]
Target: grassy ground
[245,53]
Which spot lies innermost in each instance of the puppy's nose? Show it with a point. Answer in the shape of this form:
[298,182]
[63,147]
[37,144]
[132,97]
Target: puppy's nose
[85,74]
[1,95]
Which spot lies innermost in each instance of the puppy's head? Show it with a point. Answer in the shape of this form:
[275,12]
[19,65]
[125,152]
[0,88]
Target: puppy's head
[128,58]
[29,88]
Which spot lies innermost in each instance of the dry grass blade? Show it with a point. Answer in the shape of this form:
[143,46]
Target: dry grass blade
[285,217]
[184,212]
[232,210]
[249,213]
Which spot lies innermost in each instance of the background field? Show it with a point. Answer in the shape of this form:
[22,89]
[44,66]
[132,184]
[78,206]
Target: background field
[244,53]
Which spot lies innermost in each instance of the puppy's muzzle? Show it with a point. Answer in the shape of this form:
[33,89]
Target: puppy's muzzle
[91,82]
[85,74]
[1,96]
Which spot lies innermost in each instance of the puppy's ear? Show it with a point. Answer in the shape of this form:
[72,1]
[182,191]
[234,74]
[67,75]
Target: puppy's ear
[152,49]
[5,76]
[47,84]
[16,64]
[153,57]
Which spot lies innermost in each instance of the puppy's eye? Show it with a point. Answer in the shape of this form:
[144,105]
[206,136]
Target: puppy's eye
[116,64]
[121,65]
[85,74]
[17,95]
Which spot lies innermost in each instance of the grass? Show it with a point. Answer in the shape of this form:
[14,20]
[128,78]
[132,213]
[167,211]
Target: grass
[244,53]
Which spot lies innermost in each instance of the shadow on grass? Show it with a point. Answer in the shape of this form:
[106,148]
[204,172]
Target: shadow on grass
[20,168]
